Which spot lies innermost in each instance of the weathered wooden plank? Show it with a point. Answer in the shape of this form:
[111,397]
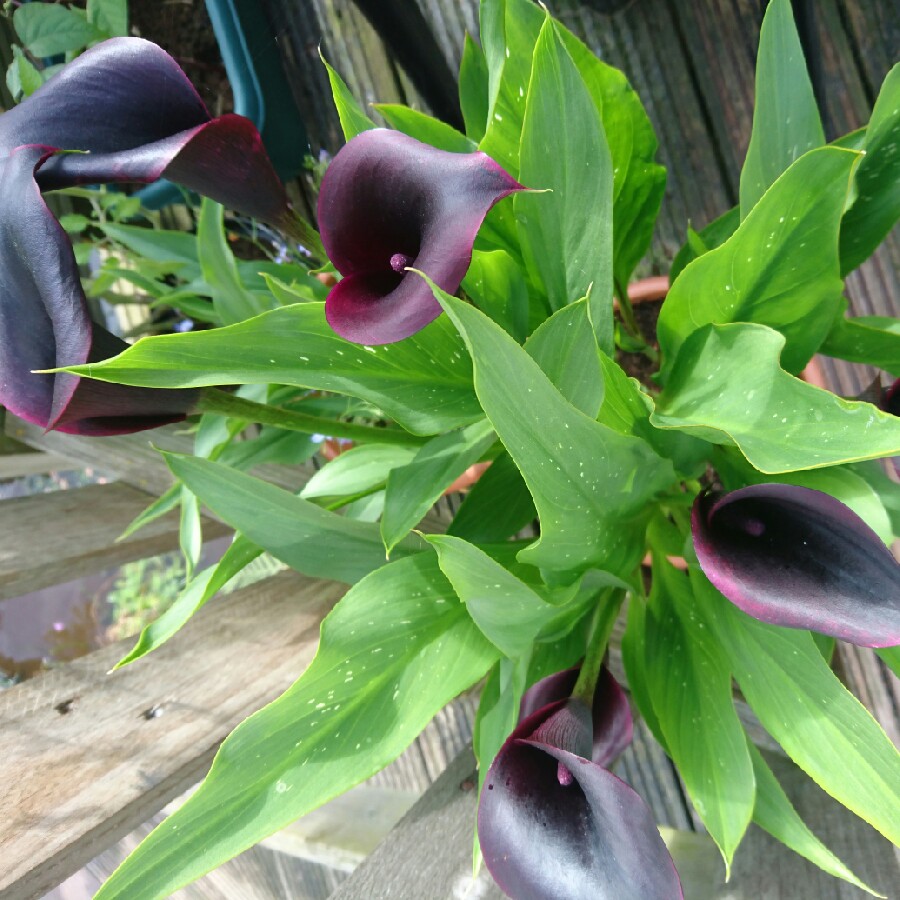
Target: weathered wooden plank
[18,460]
[412,41]
[874,33]
[721,38]
[873,683]
[133,458]
[429,854]
[83,757]
[19,465]
[59,536]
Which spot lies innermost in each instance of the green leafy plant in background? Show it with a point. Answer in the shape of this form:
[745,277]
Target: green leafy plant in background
[51,30]
[756,496]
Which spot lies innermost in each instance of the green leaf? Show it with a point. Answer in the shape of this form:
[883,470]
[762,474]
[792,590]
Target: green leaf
[414,488]
[727,387]
[566,234]
[634,658]
[877,206]
[255,275]
[802,704]
[870,340]
[143,282]
[638,181]
[497,287]
[775,814]
[48,29]
[190,535]
[565,347]
[159,507]
[199,591]
[231,300]
[74,223]
[353,120]
[159,245]
[424,382]
[497,507]
[780,268]
[306,537]
[785,117]
[274,445]
[359,469]
[714,235]
[689,681]
[288,294]
[367,694]
[891,658]
[498,711]
[626,409]
[22,78]
[365,509]
[887,489]
[189,304]
[473,88]
[592,505]
[508,612]
[109,16]
[425,128]
[509,31]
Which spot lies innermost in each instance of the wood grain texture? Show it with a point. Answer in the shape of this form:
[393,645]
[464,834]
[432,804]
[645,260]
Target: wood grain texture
[19,465]
[133,458]
[56,537]
[72,783]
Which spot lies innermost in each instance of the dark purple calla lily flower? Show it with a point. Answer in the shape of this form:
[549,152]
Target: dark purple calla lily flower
[389,202]
[891,400]
[133,115]
[797,557]
[553,822]
[613,727]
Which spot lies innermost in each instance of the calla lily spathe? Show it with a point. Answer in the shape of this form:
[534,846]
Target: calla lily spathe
[793,556]
[388,203]
[553,822]
[132,116]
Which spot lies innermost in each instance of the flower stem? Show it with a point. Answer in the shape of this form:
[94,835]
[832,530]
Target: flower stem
[604,620]
[626,310]
[214,400]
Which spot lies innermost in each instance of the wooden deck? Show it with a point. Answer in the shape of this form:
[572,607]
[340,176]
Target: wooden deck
[692,63]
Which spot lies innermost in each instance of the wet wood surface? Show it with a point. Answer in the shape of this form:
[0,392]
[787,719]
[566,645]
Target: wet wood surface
[87,756]
[56,537]
[133,458]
